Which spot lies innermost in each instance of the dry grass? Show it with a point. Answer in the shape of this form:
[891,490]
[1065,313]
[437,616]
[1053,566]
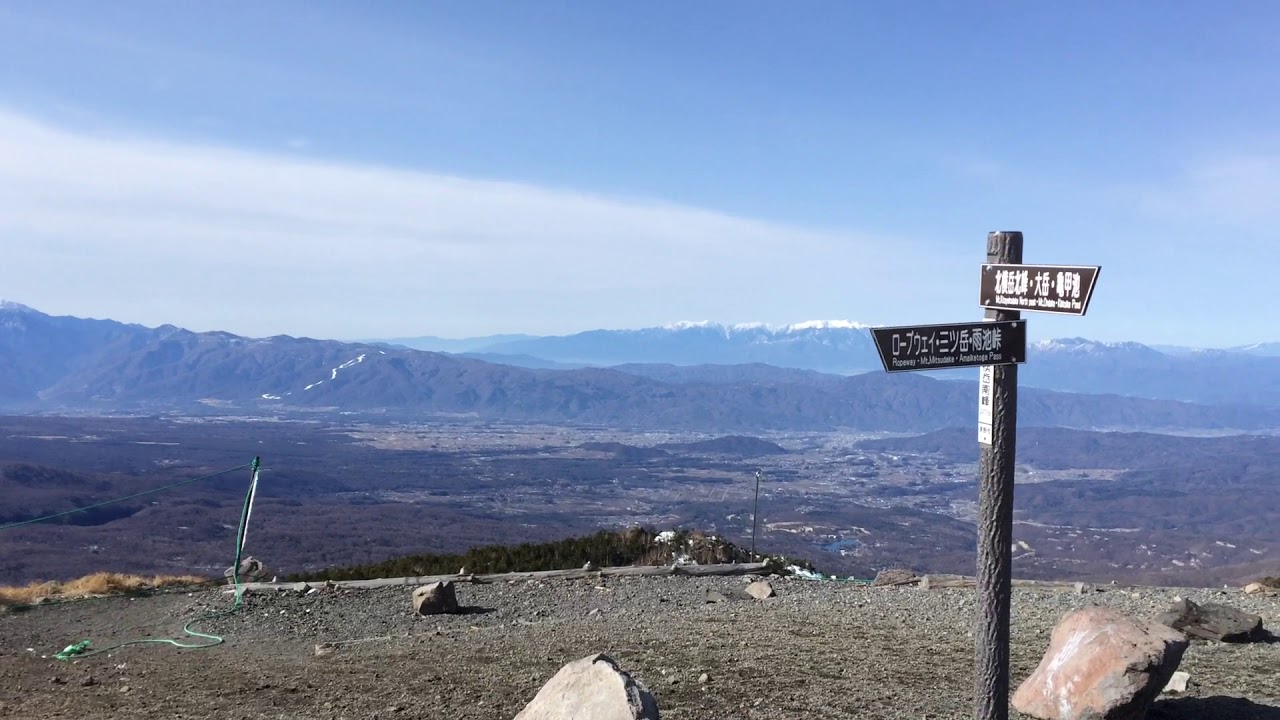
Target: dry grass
[95,585]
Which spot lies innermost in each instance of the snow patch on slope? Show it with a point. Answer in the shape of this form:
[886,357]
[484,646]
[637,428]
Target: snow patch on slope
[333,373]
[826,325]
[1086,346]
[12,306]
[765,327]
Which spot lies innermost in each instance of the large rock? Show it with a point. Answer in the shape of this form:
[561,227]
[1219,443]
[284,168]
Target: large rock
[1212,621]
[435,599]
[1101,665]
[593,688]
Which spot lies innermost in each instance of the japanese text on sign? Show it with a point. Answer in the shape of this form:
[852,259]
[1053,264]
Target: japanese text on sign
[986,400]
[1061,285]
[1044,288]
[923,342]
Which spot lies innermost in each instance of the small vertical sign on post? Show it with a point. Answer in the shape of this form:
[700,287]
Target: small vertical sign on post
[986,382]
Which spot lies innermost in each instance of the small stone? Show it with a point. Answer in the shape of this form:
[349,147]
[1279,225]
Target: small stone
[1256,588]
[760,590]
[57,680]
[1213,621]
[435,599]
[711,596]
[703,678]
[1080,588]
[324,648]
[125,689]
[1177,683]
[894,576]
[250,569]
[925,583]
[88,682]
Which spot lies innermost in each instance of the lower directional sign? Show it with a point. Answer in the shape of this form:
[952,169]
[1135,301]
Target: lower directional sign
[956,345]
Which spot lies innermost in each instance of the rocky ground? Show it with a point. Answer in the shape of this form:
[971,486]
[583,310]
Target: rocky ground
[818,650]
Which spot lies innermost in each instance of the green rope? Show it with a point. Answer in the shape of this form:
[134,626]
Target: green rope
[126,497]
[82,649]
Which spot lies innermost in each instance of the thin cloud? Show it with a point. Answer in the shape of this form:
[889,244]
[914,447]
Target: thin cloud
[1236,190]
[154,231]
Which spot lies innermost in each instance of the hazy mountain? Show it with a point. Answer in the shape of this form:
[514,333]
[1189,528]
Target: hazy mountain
[836,346]
[1175,349]
[524,361]
[1268,349]
[60,364]
[755,373]
[38,350]
[706,352]
[450,345]
[1207,376]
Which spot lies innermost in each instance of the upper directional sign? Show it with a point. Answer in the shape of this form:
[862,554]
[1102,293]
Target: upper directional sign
[940,347]
[1064,289]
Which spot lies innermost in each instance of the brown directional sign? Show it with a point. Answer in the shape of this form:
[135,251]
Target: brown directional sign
[956,345]
[1063,289]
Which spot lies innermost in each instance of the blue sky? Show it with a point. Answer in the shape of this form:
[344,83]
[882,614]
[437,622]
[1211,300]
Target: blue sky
[393,169]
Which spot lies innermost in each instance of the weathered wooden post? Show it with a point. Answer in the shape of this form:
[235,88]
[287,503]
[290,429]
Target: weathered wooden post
[1007,286]
[995,508]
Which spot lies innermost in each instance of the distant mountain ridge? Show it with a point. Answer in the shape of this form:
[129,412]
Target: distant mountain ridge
[1246,375]
[450,345]
[60,364]
[832,346]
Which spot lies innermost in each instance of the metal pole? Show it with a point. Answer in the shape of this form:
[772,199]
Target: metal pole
[995,518]
[754,514]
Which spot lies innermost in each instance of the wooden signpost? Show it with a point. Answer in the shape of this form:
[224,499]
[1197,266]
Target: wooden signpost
[1007,288]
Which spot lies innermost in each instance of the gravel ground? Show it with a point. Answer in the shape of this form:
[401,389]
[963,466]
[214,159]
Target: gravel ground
[818,650]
